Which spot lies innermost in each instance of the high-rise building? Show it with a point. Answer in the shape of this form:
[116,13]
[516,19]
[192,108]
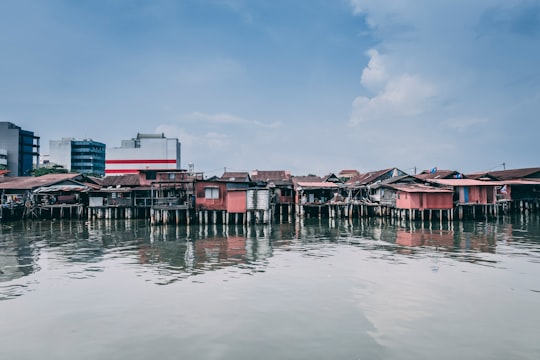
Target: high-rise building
[82,156]
[145,152]
[22,149]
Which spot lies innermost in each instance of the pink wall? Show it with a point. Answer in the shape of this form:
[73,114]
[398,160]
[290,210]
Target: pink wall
[236,201]
[418,200]
[202,203]
[477,194]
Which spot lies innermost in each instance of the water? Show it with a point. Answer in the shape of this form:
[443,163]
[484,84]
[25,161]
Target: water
[366,289]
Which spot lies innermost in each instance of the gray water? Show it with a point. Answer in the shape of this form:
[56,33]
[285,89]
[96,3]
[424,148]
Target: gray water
[366,289]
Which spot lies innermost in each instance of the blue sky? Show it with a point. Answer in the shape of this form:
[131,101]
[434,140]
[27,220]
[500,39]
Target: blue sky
[308,86]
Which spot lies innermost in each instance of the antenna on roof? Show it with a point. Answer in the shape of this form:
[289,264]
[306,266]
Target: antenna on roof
[504,165]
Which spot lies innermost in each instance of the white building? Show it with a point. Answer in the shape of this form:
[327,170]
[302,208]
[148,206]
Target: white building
[145,152]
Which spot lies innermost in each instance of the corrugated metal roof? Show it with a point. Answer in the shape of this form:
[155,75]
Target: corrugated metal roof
[271,175]
[55,188]
[418,188]
[128,180]
[517,173]
[369,177]
[31,182]
[240,176]
[439,174]
[317,185]
[481,176]
[466,182]
[297,179]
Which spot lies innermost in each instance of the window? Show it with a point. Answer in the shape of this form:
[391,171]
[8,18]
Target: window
[211,193]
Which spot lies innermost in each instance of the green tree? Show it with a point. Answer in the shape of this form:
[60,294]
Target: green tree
[55,169]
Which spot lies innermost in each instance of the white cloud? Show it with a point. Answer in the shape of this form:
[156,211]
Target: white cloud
[225,119]
[403,96]
[374,75]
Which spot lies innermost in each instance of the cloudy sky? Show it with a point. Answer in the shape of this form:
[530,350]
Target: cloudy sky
[308,86]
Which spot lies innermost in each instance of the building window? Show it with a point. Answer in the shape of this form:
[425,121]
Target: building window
[211,193]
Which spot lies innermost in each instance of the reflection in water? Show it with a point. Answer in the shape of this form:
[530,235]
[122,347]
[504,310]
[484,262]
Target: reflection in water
[370,289]
[166,254]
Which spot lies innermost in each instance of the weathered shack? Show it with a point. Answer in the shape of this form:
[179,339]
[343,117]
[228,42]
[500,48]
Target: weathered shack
[116,198]
[172,195]
[316,197]
[422,201]
[212,197]
[471,197]
[363,188]
[47,196]
[281,187]
[521,188]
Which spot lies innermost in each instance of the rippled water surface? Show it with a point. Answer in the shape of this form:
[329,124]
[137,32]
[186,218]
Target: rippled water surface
[315,290]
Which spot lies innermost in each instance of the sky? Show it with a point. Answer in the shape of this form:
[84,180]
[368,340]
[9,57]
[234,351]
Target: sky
[312,87]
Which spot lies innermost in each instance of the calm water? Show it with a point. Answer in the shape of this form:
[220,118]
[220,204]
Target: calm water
[319,290]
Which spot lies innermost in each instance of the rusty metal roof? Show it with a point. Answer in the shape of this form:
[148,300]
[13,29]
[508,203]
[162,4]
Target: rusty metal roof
[311,178]
[128,180]
[439,174]
[317,185]
[517,173]
[271,175]
[370,177]
[32,182]
[481,176]
[240,176]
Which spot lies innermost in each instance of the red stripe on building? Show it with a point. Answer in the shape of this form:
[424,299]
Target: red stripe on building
[140,161]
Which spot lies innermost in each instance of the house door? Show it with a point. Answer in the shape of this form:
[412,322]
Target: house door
[489,194]
[466,194]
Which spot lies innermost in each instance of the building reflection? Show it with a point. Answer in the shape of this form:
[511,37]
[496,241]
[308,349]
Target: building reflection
[178,252]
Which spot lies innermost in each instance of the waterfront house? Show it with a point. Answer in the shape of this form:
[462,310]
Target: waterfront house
[363,189]
[414,199]
[520,187]
[217,198]
[281,187]
[116,197]
[472,197]
[314,196]
[29,196]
